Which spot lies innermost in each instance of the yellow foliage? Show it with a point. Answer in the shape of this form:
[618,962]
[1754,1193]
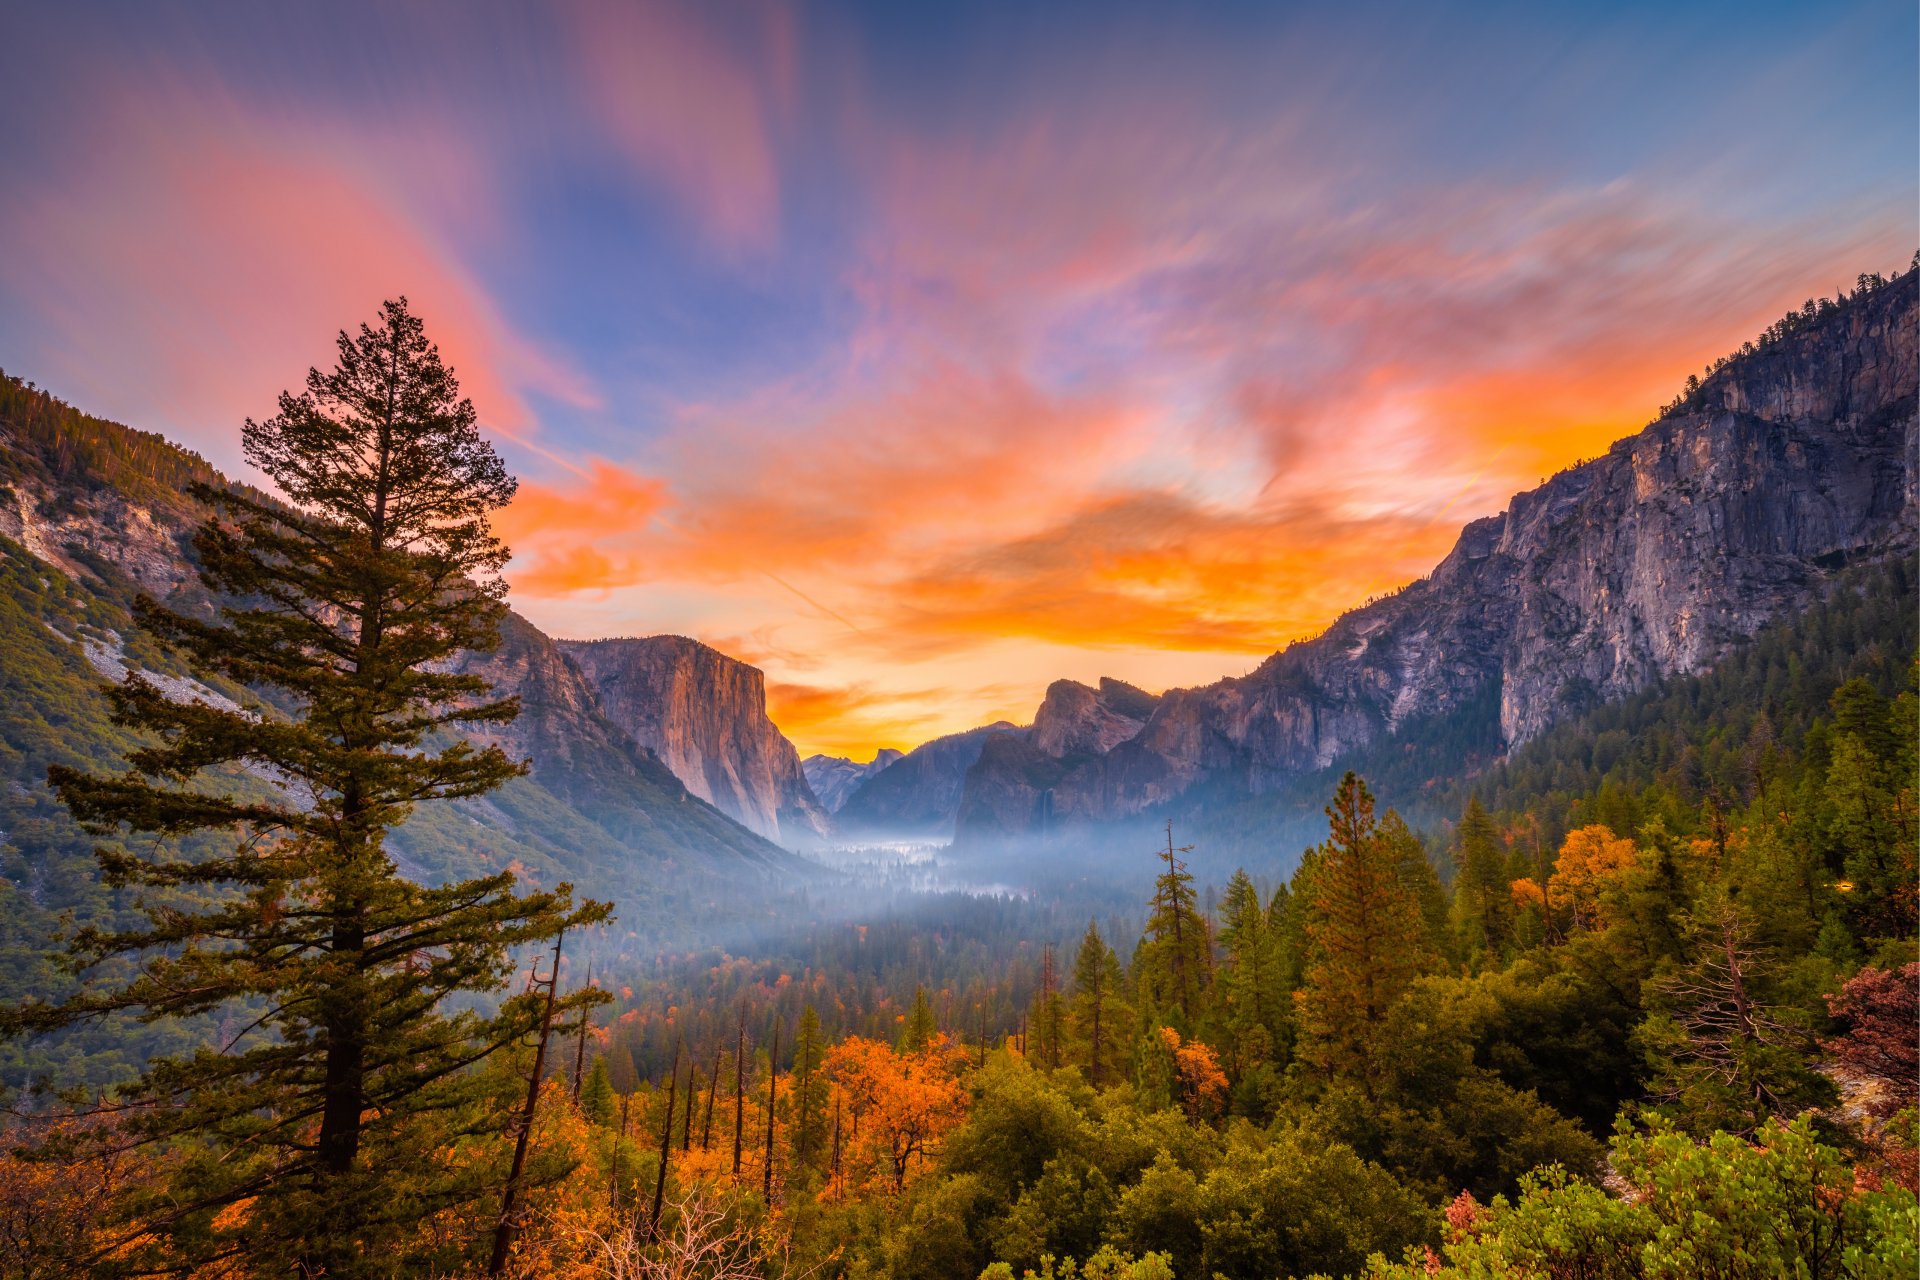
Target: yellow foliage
[1591,859]
[897,1108]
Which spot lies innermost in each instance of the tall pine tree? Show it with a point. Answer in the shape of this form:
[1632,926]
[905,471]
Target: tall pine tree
[1363,940]
[1175,961]
[1482,898]
[810,1091]
[1249,981]
[306,1144]
[1099,1005]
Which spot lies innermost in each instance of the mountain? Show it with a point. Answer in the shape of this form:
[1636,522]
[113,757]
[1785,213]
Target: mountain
[705,715]
[91,513]
[834,779]
[1739,505]
[1008,789]
[918,795]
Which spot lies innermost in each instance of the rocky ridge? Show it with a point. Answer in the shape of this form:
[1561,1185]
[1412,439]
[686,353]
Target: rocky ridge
[1735,508]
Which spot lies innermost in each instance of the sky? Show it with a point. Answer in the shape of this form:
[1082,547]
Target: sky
[921,355]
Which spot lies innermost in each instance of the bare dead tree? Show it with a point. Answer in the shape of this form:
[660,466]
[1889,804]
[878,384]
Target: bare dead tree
[666,1145]
[504,1232]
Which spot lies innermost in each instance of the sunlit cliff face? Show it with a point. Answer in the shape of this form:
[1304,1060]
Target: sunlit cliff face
[922,365]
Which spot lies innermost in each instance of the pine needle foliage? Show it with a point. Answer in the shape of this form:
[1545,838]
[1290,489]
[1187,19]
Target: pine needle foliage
[313,1141]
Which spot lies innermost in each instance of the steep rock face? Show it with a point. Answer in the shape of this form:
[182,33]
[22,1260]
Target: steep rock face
[705,716]
[1647,562]
[918,794]
[1011,788]
[1074,719]
[834,779]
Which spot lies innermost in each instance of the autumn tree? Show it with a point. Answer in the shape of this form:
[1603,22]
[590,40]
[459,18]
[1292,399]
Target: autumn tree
[899,1107]
[1364,940]
[1879,1015]
[306,1142]
[1592,859]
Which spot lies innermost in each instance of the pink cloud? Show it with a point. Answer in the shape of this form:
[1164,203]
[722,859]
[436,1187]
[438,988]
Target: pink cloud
[694,110]
[201,260]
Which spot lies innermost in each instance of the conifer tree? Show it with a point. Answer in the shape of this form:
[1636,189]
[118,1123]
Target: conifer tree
[810,1090]
[1363,931]
[1175,960]
[1417,875]
[918,1030]
[596,1095]
[1049,1015]
[1249,987]
[307,1141]
[1099,1010]
[1482,899]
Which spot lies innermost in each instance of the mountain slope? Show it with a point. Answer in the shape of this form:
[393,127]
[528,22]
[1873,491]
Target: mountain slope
[1737,506]
[918,795]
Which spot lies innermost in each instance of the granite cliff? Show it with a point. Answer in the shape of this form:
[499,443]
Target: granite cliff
[1737,506]
[705,716]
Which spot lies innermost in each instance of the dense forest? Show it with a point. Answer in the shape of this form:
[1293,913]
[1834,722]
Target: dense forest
[1637,1000]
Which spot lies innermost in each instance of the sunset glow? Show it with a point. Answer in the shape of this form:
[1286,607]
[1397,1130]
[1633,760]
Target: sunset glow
[921,362]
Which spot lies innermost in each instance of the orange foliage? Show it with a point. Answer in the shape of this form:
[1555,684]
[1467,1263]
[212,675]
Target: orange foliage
[1203,1085]
[1591,859]
[56,1182]
[897,1107]
[1527,893]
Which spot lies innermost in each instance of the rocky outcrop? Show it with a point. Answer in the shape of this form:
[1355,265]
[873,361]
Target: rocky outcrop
[1786,465]
[918,795]
[705,716]
[1010,789]
[834,779]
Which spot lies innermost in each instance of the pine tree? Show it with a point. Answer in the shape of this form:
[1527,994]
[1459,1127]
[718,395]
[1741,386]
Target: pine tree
[1870,810]
[278,900]
[1417,875]
[1100,1013]
[1249,980]
[1049,1015]
[1482,899]
[810,1090]
[918,1030]
[1363,931]
[596,1095]
[1175,960]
